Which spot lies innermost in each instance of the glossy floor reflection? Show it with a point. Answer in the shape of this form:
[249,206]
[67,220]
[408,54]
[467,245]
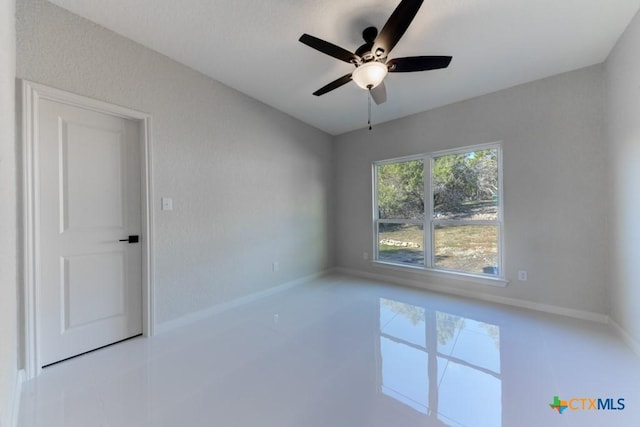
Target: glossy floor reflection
[432,360]
[348,352]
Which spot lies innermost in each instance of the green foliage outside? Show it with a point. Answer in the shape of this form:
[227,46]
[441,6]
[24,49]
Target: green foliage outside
[401,190]
[459,180]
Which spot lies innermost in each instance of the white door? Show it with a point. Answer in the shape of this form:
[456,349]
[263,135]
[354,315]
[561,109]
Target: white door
[88,198]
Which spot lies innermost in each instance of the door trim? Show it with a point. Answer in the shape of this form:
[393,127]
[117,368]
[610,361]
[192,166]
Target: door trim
[32,93]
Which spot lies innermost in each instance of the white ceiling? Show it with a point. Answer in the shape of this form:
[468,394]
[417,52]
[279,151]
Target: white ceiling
[252,46]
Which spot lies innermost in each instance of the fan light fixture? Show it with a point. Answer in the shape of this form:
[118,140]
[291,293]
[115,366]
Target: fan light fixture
[369,74]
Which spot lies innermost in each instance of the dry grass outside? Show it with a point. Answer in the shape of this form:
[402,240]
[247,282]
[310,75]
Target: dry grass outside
[402,233]
[470,248]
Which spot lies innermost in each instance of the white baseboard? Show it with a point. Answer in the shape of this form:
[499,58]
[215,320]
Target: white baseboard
[219,308]
[514,302]
[10,417]
[626,337]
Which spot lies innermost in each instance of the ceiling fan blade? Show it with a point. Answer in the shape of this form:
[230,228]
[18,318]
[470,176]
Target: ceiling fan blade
[417,63]
[328,48]
[333,85]
[379,94]
[396,25]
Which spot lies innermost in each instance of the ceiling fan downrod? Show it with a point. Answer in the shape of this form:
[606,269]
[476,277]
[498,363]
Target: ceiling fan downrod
[369,99]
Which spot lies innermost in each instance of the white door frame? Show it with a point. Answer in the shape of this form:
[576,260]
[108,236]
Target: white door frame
[32,93]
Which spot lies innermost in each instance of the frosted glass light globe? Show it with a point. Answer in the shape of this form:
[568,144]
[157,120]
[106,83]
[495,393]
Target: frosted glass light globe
[369,74]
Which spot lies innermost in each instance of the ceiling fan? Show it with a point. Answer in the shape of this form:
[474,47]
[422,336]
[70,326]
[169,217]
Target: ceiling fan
[370,59]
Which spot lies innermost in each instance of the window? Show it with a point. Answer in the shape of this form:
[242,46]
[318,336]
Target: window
[401,211]
[441,211]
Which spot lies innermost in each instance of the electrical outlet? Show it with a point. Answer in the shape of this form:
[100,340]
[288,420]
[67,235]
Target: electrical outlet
[522,275]
[275,266]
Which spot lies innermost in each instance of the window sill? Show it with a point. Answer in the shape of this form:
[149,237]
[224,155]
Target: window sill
[444,274]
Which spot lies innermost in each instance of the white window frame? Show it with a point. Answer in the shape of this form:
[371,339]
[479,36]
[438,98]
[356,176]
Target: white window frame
[429,222]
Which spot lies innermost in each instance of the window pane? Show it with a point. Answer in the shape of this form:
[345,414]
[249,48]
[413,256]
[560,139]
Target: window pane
[466,248]
[465,185]
[401,243]
[401,190]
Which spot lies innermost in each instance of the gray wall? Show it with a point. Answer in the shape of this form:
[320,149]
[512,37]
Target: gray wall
[623,128]
[8,195]
[250,185]
[555,184]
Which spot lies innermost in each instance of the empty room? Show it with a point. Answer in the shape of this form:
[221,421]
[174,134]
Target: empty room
[319,213]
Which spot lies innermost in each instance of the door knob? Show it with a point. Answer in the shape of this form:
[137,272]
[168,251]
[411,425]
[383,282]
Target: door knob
[131,239]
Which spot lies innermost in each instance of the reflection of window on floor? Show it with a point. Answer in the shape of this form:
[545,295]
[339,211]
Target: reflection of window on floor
[442,365]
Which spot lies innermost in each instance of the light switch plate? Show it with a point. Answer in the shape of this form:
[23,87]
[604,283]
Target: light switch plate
[167,204]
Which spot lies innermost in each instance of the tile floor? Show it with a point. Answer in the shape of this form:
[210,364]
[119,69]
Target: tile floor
[347,352]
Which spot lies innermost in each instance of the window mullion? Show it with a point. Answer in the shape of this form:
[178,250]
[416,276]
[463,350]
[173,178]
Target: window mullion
[401,221]
[494,223]
[376,215]
[428,214]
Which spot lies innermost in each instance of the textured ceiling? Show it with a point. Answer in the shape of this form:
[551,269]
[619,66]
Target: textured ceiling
[252,46]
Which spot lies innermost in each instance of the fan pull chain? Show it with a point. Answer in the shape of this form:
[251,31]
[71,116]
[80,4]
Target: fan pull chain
[369,98]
